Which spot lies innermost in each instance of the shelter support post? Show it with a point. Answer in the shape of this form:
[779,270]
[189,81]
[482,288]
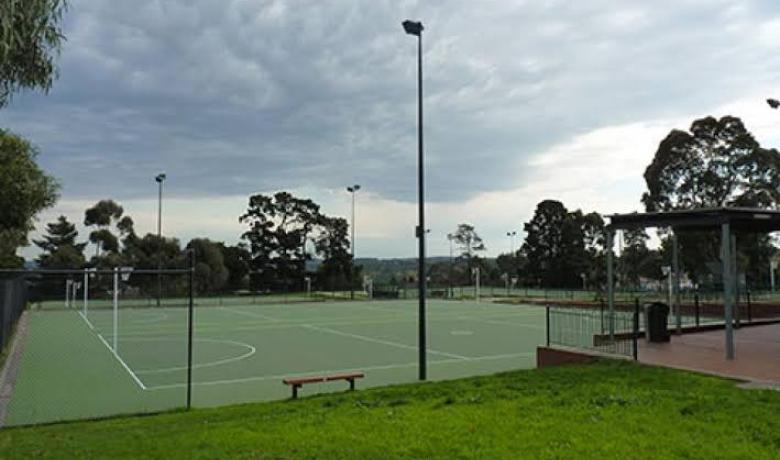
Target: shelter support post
[676,284]
[728,286]
[735,277]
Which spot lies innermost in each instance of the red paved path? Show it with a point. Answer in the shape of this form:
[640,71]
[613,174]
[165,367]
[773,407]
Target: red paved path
[757,353]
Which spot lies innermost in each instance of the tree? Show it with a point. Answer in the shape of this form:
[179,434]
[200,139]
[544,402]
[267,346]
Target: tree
[102,215]
[336,270]
[237,259]
[543,245]
[210,271]
[279,227]
[30,39]
[468,240]
[562,246]
[59,247]
[634,257]
[25,190]
[717,163]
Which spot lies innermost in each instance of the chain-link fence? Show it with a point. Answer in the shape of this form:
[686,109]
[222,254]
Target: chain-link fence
[13,299]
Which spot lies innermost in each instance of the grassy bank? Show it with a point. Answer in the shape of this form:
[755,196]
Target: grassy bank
[605,410]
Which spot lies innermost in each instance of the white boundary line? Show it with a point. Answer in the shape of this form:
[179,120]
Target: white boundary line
[121,361]
[89,323]
[380,341]
[334,371]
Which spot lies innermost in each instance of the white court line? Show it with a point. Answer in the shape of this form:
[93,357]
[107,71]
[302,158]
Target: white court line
[252,351]
[382,342]
[161,316]
[87,320]
[336,371]
[504,323]
[208,326]
[250,314]
[122,362]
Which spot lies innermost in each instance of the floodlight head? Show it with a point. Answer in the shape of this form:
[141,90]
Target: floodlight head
[773,103]
[413,27]
[160,177]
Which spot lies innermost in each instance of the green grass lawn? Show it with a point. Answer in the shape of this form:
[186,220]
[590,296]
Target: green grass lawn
[605,410]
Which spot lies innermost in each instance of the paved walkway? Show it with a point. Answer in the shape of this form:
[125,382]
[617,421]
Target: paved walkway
[757,353]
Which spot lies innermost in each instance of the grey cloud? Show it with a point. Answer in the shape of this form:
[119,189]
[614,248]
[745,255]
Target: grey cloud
[234,97]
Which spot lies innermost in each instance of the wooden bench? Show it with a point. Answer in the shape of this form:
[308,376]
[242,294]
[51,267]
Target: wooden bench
[297,382]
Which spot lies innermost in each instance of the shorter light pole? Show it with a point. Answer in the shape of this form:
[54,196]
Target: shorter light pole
[352,189]
[160,178]
[511,236]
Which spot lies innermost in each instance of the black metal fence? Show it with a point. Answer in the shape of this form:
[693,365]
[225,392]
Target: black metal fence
[13,299]
[594,329]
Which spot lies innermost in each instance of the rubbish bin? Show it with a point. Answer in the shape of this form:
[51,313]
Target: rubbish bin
[656,317]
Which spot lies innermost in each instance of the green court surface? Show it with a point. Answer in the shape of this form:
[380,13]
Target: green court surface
[68,369]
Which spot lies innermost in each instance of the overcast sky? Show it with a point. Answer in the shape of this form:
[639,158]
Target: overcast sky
[524,101]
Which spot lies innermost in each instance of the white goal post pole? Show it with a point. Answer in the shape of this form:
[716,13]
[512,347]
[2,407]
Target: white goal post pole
[116,306]
[67,292]
[74,289]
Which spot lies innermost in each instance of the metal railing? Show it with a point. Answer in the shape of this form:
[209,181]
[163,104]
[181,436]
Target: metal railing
[594,329]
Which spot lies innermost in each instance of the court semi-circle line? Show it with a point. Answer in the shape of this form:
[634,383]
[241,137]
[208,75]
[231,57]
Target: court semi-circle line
[252,351]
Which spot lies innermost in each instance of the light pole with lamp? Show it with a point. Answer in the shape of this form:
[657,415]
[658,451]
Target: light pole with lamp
[416,28]
[353,189]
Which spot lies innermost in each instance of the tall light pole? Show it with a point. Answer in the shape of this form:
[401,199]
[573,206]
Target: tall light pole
[353,189]
[416,28]
[160,178]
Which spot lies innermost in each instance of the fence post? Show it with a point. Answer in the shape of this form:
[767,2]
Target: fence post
[749,308]
[601,304]
[190,320]
[547,322]
[636,329]
[696,308]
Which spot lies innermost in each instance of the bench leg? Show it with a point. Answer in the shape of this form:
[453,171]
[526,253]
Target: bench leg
[295,391]
[352,384]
